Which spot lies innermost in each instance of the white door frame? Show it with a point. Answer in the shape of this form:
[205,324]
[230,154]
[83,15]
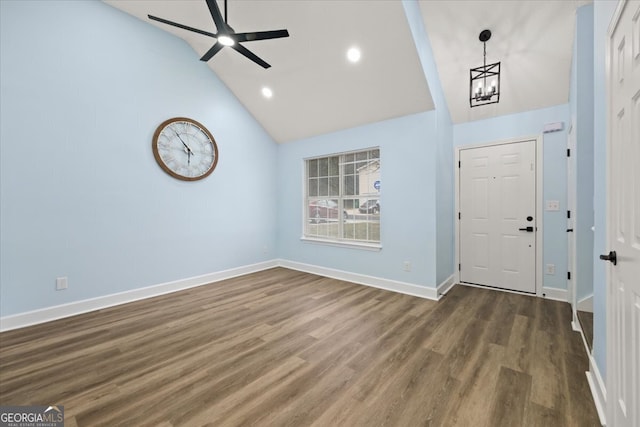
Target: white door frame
[571,223]
[539,211]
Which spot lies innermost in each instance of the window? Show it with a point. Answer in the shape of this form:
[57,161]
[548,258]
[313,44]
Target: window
[342,197]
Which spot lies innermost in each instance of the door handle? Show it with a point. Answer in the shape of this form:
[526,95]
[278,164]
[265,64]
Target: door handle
[612,257]
[527,229]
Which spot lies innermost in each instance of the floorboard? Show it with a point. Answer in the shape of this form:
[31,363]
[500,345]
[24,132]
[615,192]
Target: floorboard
[286,348]
[586,322]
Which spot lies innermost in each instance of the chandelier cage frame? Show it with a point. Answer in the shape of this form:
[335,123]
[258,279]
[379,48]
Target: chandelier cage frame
[479,76]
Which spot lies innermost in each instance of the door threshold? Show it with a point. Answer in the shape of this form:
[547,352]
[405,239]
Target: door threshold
[496,288]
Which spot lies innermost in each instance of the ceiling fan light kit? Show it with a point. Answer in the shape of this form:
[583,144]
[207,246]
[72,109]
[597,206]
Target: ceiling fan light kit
[226,36]
[484,81]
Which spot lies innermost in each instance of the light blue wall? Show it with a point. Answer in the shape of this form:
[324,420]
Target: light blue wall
[444,146]
[445,195]
[83,88]
[581,101]
[81,195]
[603,11]
[417,190]
[408,218]
[531,123]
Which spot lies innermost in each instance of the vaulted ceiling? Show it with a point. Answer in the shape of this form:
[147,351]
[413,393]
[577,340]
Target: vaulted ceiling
[316,90]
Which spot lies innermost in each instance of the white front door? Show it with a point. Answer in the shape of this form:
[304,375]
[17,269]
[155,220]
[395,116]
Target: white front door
[623,217]
[497,216]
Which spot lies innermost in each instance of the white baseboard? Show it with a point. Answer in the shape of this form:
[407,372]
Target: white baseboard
[575,325]
[78,307]
[586,304]
[555,294]
[598,390]
[446,285]
[376,282]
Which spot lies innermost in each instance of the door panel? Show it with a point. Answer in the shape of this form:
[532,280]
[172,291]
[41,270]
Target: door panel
[497,194]
[623,219]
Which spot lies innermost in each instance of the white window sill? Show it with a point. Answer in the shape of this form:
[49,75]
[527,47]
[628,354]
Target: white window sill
[376,247]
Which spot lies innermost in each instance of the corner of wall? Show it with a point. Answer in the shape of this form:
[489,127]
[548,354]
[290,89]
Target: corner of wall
[444,141]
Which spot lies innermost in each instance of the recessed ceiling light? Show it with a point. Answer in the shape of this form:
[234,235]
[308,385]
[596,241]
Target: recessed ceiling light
[226,41]
[353,54]
[266,92]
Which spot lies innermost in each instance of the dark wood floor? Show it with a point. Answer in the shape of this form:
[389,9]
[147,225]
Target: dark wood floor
[586,323]
[282,347]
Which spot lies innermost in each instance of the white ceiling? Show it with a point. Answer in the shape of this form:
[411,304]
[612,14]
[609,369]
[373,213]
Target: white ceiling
[317,91]
[532,39]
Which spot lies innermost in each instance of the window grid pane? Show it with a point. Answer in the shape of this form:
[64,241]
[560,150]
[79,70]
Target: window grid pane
[343,197]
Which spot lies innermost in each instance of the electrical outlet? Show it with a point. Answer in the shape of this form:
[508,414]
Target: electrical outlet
[406,266]
[61,283]
[550,269]
[552,205]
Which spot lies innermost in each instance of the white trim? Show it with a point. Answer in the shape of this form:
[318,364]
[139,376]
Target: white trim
[446,285]
[594,379]
[539,202]
[547,293]
[575,325]
[598,390]
[571,222]
[361,279]
[375,247]
[48,314]
[586,304]
[555,294]
[540,214]
[611,311]
[370,246]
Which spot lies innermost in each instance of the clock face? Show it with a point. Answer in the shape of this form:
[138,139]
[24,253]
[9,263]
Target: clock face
[185,149]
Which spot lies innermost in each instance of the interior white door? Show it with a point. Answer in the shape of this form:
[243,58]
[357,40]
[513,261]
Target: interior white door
[497,190]
[623,217]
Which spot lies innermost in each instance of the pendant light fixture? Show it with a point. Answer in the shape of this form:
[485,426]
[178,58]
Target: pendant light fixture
[484,85]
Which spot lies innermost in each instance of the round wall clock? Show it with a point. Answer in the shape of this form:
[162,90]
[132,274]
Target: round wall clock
[185,149]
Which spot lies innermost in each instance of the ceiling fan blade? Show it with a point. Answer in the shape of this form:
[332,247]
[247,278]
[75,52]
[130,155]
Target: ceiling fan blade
[216,15]
[214,49]
[252,56]
[261,35]
[184,27]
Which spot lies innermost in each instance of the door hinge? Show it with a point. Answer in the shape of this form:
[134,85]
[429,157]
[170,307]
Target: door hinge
[459,217]
[568,214]
[568,275]
[459,163]
[568,152]
[459,267]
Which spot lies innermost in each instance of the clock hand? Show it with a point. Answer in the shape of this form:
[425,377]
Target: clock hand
[189,152]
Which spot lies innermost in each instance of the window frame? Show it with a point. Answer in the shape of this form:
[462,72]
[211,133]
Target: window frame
[340,198]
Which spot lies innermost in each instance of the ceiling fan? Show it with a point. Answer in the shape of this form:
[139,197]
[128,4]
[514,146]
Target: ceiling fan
[226,36]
